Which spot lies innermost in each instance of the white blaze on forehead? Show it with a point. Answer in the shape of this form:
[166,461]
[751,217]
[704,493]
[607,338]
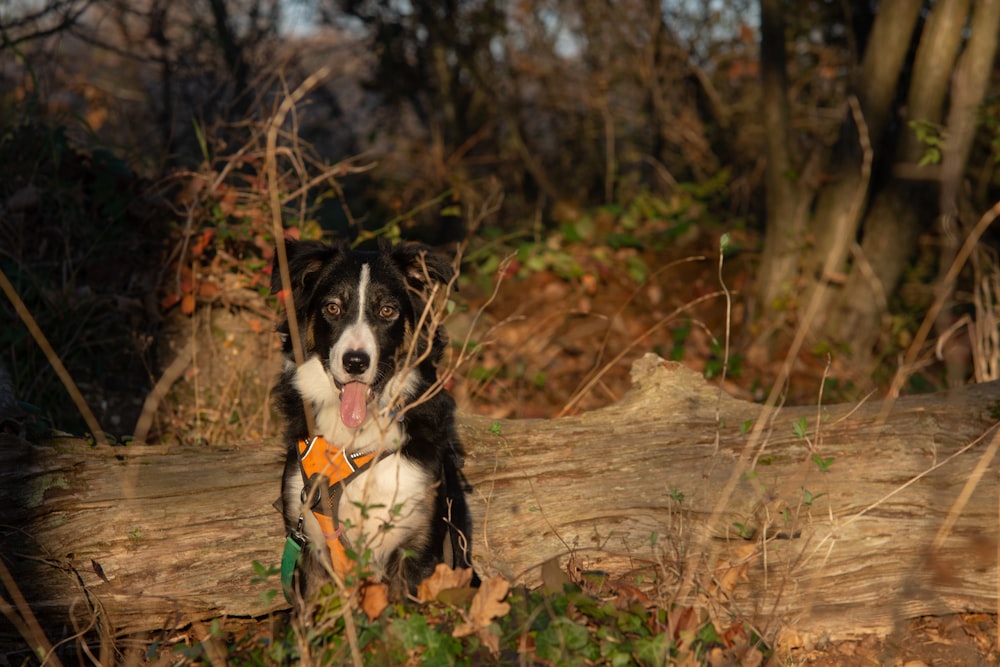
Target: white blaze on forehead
[358,336]
[366,276]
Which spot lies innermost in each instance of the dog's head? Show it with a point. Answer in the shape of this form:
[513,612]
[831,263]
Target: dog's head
[362,320]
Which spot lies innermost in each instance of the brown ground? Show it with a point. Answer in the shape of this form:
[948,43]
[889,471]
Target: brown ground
[553,346]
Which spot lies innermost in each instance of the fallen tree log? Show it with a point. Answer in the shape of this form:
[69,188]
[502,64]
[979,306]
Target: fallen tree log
[827,521]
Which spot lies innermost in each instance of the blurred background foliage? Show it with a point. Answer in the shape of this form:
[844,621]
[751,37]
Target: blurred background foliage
[580,148]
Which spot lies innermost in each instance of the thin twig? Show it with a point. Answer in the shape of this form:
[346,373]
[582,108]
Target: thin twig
[277,121]
[725,353]
[970,485]
[53,359]
[34,635]
[173,373]
[944,289]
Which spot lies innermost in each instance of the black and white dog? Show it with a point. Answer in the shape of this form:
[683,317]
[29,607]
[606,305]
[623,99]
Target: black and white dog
[382,485]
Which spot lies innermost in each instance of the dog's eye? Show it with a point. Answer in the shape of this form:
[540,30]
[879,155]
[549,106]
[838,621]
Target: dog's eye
[333,308]
[387,312]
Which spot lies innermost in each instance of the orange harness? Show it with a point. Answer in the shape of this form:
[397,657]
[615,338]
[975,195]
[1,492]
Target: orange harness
[326,471]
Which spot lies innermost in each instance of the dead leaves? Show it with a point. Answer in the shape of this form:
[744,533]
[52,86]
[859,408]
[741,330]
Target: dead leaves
[444,578]
[554,577]
[488,604]
[448,595]
[730,570]
[565,618]
[374,599]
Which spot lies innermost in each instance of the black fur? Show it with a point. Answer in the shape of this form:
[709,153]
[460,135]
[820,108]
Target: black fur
[400,279]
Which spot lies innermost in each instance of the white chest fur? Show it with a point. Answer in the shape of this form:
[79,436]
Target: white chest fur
[387,506]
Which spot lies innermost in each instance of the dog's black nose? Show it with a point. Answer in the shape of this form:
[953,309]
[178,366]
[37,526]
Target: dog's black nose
[356,362]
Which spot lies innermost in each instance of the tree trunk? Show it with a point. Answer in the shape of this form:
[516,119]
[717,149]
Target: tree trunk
[839,207]
[838,214]
[839,210]
[968,89]
[236,63]
[784,238]
[837,527]
[904,208]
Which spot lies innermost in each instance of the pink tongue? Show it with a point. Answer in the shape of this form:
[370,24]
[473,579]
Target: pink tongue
[353,404]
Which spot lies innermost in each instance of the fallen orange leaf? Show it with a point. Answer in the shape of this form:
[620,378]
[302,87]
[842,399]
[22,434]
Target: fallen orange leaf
[374,600]
[443,578]
[487,605]
[198,249]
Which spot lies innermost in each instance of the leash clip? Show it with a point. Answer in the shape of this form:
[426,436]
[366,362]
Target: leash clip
[298,535]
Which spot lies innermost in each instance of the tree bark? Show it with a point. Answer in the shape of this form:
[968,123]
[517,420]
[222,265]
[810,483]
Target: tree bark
[789,265]
[784,238]
[969,86]
[900,211]
[968,89]
[831,521]
[841,204]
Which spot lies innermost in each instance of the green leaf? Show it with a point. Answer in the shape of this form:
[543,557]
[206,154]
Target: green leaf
[823,463]
[561,640]
[202,143]
[724,242]
[932,155]
[808,497]
[708,635]
[262,572]
[637,269]
[653,651]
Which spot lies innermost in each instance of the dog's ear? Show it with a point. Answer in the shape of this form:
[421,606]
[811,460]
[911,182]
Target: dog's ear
[421,266]
[304,257]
